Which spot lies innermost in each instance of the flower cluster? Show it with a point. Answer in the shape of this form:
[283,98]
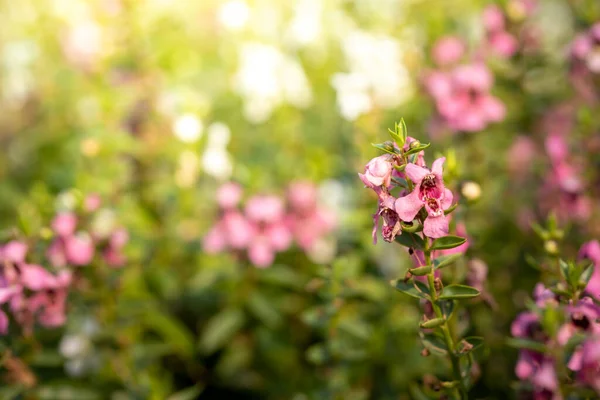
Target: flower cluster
[34,293]
[419,188]
[562,327]
[268,224]
[416,218]
[564,189]
[462,97]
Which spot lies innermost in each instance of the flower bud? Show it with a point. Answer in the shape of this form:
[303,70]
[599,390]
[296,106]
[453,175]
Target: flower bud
[551,247]
[414,144]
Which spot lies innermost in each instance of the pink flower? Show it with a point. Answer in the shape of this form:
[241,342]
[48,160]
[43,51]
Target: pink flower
[36,278]
[13,252]
[264,209]
[302,196]
[215,240]
[238,229]
[260,253]
[448,50]
[429,192]
[3,323]
[79,250]
[591,251]
[378,172]
[503,44]
[92,202]
[229,195]
[493,18]
[462,97]
[589,372]
[64,224]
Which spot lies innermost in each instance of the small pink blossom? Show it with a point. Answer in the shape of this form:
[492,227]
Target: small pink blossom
[13,252]
[378,172]
[429,192]
[503,44]
[79,249]
[229,195]
[302,196]
[64,224]
[92,202]
[261,254]
[448,50]
[493,19]
[265,209]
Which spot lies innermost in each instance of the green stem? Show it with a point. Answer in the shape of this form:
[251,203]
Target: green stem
[445,329]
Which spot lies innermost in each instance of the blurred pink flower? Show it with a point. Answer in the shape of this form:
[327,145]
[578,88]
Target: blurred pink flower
[229,195]
[493,19]
[13,252]
[591,251]
[64,224]
[264,209]
[79,249]
[302,196]
[92,202]
[503,44]
[462,97]
[260,253]
[448,50]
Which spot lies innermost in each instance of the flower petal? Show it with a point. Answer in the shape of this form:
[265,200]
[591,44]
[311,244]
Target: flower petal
[447,199]
[408,206]
[416,173]
[436,227]
[436,167]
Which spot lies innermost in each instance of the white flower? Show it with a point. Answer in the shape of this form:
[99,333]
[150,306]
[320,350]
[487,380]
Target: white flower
[376,72]
[72,346]
[218,135]
[234,14]
[217,163]
[188,128]
[306,26]
[267,78]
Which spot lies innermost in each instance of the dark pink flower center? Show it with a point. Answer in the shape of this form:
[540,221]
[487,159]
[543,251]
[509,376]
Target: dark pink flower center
[429,188]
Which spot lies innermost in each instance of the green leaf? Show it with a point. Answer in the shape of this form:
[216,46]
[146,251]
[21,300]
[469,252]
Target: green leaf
[527,344]
[447,307]
[564,270]
[586,275]
[411,240]
[434,343]
[176,334]
[264,310]
[190,393]
[317,354]
[420,271]
[444,261]
[432,323]
[387,147]
[450,209]
[414,150]
[458,292]
[410,289]
[447,242]
[220,329]
[403,130]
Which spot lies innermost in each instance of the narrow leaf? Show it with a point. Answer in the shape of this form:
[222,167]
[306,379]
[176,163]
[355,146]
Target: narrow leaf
[444,261]
[447,242]
[411,240]
[459,292]
[410,289]
[416,149]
